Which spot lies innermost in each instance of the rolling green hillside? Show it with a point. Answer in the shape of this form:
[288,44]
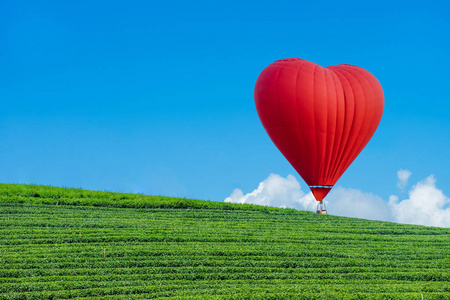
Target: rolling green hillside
[58,243]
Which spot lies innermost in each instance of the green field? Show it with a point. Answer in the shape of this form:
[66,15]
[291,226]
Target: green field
[60,243]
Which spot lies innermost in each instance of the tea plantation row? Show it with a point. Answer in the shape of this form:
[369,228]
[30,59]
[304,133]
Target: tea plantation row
[158,247]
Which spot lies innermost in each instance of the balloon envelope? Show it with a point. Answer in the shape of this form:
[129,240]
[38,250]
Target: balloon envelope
[319,118]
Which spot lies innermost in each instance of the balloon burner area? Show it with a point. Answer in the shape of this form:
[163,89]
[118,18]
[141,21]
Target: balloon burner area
[321,208]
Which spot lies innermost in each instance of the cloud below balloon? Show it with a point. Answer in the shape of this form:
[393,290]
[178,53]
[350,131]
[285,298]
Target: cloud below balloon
[276,191]
[425,205]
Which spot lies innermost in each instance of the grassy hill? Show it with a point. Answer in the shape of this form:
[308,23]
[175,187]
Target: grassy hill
[69,243]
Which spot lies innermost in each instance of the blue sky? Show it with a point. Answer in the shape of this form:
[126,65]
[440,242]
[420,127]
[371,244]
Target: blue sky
[157,97]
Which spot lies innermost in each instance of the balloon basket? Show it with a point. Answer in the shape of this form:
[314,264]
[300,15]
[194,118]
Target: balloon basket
[321,208]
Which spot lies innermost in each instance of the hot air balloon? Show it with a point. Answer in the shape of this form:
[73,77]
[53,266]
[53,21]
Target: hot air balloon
[319,118]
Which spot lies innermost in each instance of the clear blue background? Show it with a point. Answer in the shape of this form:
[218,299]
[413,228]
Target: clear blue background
[157,97]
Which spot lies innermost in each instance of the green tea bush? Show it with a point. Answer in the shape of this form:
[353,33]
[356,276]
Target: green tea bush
[58,243]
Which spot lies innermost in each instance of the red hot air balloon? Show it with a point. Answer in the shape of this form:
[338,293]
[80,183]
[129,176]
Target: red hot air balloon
[319,118]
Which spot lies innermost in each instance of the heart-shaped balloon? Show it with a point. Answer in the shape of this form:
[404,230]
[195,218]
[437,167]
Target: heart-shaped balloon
[319,118]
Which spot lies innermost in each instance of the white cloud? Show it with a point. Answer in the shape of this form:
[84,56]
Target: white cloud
[426,205]
[403,177]
[356,204]
[276,191]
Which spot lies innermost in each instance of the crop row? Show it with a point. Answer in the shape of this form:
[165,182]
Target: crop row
[232,290]
[78,260]
[57,216]
[67,252]
[206,273]
[163,283]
